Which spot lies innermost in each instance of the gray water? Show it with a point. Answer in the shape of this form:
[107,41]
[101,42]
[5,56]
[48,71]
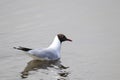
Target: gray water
[93,25]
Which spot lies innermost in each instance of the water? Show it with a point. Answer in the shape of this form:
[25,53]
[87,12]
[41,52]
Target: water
[92,25]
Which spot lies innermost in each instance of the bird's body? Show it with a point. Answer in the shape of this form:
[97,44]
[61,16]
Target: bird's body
[50,53]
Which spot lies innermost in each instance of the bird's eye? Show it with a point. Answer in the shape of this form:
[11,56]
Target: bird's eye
[63,36]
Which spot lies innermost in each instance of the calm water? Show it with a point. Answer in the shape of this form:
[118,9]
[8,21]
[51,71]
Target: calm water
[93,25]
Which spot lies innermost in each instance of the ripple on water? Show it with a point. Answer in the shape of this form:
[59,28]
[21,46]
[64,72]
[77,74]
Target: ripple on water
[34,65]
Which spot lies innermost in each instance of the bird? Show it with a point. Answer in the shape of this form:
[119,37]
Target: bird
[52,52]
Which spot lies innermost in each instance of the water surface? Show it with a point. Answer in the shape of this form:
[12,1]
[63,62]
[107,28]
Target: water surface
[93,25]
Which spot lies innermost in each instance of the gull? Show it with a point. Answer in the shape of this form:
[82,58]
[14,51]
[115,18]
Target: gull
[50,53]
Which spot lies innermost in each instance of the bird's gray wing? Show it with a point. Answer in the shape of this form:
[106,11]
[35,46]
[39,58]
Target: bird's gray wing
[44,54]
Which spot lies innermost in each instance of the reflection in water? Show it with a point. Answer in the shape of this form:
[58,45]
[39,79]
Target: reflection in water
[38,64]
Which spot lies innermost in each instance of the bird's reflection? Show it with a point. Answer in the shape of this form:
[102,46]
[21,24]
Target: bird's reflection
[38,64]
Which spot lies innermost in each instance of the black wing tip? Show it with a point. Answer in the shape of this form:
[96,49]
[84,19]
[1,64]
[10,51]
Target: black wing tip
[14,48]
[17,47]
[22,48]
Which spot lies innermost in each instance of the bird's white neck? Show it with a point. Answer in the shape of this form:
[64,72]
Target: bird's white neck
[56,44]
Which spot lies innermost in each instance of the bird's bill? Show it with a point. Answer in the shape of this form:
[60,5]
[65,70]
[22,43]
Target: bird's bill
[69,40]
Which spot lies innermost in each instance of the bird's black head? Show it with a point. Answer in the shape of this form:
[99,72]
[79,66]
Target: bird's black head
[62,38]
